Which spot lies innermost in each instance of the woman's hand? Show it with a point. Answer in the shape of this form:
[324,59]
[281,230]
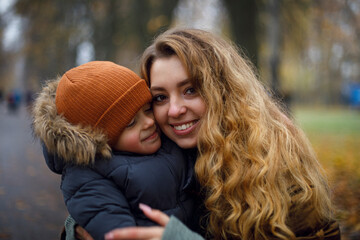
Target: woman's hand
[142,232]
[82,234]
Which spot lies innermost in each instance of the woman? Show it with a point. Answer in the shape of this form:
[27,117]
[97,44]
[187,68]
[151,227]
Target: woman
[258,173]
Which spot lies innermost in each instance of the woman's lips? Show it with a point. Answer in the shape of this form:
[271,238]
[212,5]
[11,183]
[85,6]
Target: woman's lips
[184,128]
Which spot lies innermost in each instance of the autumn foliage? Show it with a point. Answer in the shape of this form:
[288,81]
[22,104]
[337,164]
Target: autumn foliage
[335,135]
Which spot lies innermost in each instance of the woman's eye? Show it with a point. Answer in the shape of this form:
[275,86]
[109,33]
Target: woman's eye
[190,90]
[132,123]
[159,98]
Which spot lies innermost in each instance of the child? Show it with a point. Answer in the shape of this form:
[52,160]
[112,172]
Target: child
[99,132]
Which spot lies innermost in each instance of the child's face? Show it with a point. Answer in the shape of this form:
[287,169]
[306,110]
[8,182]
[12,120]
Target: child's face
[141,135]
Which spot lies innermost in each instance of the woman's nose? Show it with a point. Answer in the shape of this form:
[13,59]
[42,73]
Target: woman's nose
[177,107]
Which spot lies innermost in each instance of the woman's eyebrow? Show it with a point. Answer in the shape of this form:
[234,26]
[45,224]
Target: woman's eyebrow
[179,84]
[155,88]
[182,83]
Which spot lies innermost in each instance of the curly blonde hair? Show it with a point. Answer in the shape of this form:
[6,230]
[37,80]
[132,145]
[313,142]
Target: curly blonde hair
[260,175]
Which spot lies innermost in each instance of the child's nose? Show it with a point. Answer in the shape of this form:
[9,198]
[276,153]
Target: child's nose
[149,121]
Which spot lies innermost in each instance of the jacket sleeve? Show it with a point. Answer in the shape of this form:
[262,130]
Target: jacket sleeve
[176,230]
[53,162]
[95,202]
[70,226]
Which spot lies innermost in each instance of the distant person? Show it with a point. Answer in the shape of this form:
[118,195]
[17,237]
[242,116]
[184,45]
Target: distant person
[13,101]
[1,95]
[98,128]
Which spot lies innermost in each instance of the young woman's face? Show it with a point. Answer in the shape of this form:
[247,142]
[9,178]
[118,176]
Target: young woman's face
[177,107]
[141,134]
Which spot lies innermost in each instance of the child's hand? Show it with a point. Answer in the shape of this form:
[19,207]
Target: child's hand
[142,232]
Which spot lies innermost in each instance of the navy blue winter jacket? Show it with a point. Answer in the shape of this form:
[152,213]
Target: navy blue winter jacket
[106,196]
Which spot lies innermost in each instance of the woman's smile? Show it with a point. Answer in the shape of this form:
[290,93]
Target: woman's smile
[184,128]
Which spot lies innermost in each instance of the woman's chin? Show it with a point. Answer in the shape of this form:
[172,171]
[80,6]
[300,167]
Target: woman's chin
[186,143]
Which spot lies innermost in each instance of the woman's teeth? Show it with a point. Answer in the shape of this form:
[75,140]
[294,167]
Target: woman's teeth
[184,126]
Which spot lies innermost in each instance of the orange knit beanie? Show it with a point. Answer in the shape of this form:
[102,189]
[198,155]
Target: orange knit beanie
[103,95]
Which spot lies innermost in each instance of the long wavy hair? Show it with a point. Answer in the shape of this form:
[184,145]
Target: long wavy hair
[259,173]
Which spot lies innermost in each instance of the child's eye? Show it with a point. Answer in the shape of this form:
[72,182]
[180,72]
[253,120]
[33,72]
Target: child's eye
[132,123]
[149,108]
[159,98]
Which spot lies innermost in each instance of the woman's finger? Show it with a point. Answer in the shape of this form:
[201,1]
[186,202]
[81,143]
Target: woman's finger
[135,233]
[146,233]
[155,215]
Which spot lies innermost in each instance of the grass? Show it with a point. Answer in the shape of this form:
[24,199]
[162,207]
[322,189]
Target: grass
[335,136]
[337,121]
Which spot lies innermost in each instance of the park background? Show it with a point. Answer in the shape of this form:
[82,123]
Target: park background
[306,51]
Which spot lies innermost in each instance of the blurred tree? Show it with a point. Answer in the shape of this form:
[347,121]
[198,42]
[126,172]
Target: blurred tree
[50,36]
[117,30]
[263,25]
[335,49]
[352,15]
[243,15]
[107,25]
[274,42]
[281,30]
[6,56]
[2,59]
[149,18]
[122,29]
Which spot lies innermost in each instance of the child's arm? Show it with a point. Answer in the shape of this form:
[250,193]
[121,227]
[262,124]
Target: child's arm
[95,202]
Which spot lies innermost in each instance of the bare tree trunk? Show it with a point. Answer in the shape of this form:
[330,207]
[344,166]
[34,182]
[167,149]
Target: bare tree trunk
[243,19]
[274,39]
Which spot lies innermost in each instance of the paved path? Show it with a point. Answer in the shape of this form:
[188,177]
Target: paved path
[31,204]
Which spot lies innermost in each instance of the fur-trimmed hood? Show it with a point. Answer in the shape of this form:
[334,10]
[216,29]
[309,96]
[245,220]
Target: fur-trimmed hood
[73,143]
